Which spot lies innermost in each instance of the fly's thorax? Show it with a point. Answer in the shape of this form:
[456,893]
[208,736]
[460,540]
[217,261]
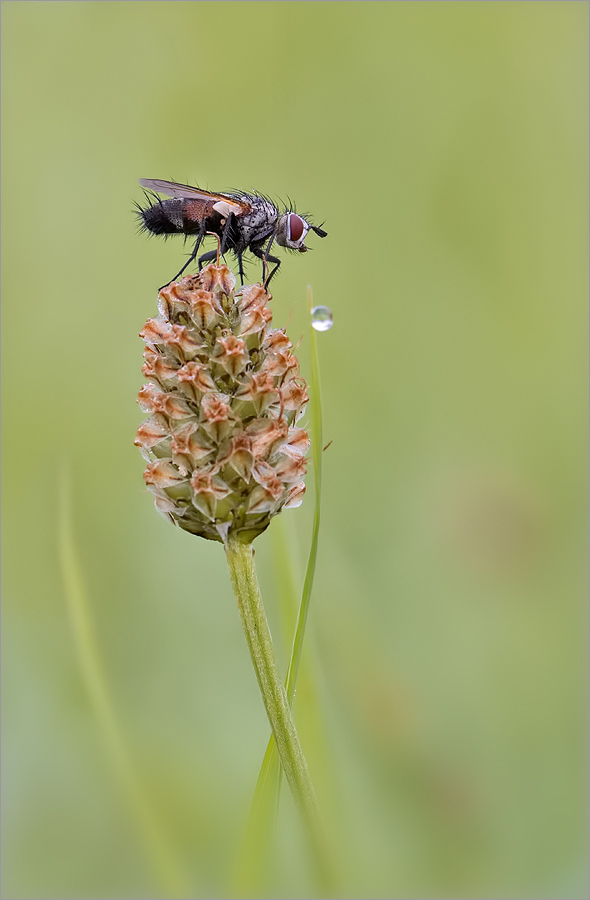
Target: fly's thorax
[291,231]
[258,224]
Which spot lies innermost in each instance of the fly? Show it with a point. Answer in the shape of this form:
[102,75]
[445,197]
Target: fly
[242,222]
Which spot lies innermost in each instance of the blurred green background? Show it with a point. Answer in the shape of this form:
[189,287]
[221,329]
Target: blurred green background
[445,146]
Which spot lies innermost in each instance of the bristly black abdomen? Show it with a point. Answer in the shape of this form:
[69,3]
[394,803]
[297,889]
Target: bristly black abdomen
[164,217]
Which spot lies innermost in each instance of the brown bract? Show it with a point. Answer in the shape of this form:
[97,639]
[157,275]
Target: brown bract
[231,354]
[224,395]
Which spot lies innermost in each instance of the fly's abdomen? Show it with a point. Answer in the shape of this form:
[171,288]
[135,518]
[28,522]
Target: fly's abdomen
[163,218]
[174,216]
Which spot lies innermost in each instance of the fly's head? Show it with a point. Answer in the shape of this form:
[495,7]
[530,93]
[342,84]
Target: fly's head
[292,229]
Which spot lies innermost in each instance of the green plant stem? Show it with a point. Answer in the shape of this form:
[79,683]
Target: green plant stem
[240,558]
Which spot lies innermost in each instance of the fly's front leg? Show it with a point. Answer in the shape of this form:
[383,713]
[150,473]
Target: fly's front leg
[269,258]
[277,262]
[264,256]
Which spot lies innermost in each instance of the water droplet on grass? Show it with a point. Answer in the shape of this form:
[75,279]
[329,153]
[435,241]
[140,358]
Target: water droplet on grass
[321,318]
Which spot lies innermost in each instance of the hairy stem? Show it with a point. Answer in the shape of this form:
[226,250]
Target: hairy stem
[240,559]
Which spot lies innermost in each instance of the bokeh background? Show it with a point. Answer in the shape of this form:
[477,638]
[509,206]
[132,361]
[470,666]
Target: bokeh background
[443,706]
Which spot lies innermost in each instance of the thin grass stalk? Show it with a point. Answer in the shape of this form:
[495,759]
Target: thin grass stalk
[317,444]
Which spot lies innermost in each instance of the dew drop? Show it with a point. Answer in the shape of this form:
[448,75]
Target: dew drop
[321,318]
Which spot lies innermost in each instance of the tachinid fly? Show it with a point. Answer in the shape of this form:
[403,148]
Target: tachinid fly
[241,222]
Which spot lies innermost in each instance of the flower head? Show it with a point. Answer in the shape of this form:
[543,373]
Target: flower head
[224,395]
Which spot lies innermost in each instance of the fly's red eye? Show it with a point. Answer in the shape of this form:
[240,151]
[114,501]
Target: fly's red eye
[295,227]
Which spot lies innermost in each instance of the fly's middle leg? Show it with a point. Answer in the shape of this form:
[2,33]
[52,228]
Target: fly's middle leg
[225,235]
[240,267]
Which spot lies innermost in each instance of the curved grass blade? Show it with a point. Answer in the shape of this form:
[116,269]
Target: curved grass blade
[166,867]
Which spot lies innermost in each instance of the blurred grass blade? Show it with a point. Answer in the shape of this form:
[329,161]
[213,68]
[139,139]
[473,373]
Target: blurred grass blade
[286,571]
[166,867]
[255,850]
[264,806]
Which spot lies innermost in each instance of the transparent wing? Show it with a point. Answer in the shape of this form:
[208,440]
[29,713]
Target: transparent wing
[184,191]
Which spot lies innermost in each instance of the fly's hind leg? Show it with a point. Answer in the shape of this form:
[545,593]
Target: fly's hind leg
[199,240]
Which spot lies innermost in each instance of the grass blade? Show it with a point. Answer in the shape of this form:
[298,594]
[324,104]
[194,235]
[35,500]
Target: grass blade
[166,867]
[317,444]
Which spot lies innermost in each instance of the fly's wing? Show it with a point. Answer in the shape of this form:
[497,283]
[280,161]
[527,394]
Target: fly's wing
[221,202]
